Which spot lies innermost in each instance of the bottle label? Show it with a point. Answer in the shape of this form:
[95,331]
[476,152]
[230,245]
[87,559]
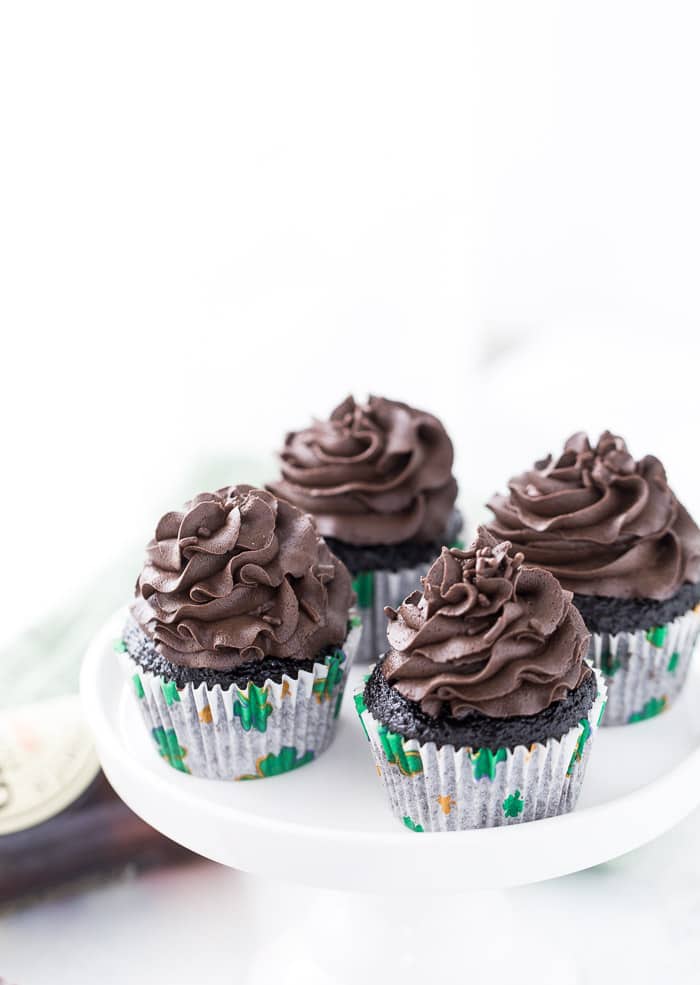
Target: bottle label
[47,759]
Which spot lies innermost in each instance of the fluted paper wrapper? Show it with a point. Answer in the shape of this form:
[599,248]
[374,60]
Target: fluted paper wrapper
[245,733]
[455,789]
[645,670]
[375,589]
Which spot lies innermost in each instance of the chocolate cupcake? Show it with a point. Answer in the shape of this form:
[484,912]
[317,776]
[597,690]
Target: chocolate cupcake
[483,710]
[377,478]
[239,638]
[613,533]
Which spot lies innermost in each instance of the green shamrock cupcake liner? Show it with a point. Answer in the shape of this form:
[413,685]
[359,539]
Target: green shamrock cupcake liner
[375,589]
[445,788]
[645,670]
[245,733]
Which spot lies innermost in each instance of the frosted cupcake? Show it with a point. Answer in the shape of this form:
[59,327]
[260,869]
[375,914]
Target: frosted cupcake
[483,710]
[239,641]
[377,478]
[612,531]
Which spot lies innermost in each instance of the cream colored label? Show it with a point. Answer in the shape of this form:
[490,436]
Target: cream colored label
[47,760]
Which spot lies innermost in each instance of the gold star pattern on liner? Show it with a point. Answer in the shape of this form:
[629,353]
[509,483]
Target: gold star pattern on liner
[531,750]
[446,803]
[378,769]
[286,689]
[205,715]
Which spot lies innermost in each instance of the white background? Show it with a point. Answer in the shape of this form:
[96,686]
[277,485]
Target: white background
[217,219]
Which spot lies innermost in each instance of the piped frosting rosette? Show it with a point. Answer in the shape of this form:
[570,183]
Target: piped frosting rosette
[483,710]
[612,531]
[377,477]
[240,637]
[373,473]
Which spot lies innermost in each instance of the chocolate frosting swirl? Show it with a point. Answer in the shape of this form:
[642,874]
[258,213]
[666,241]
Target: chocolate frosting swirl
[237,576]
[486,634]
[601,522]
[375,473]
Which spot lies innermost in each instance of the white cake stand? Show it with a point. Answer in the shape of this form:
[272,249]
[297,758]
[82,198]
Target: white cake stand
[328,825]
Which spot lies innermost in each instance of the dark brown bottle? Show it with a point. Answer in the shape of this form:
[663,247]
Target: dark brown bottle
[60,821]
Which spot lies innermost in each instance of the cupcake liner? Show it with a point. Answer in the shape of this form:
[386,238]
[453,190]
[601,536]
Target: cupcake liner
[645,670]
[375,589]
[245,733]
[453,789]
